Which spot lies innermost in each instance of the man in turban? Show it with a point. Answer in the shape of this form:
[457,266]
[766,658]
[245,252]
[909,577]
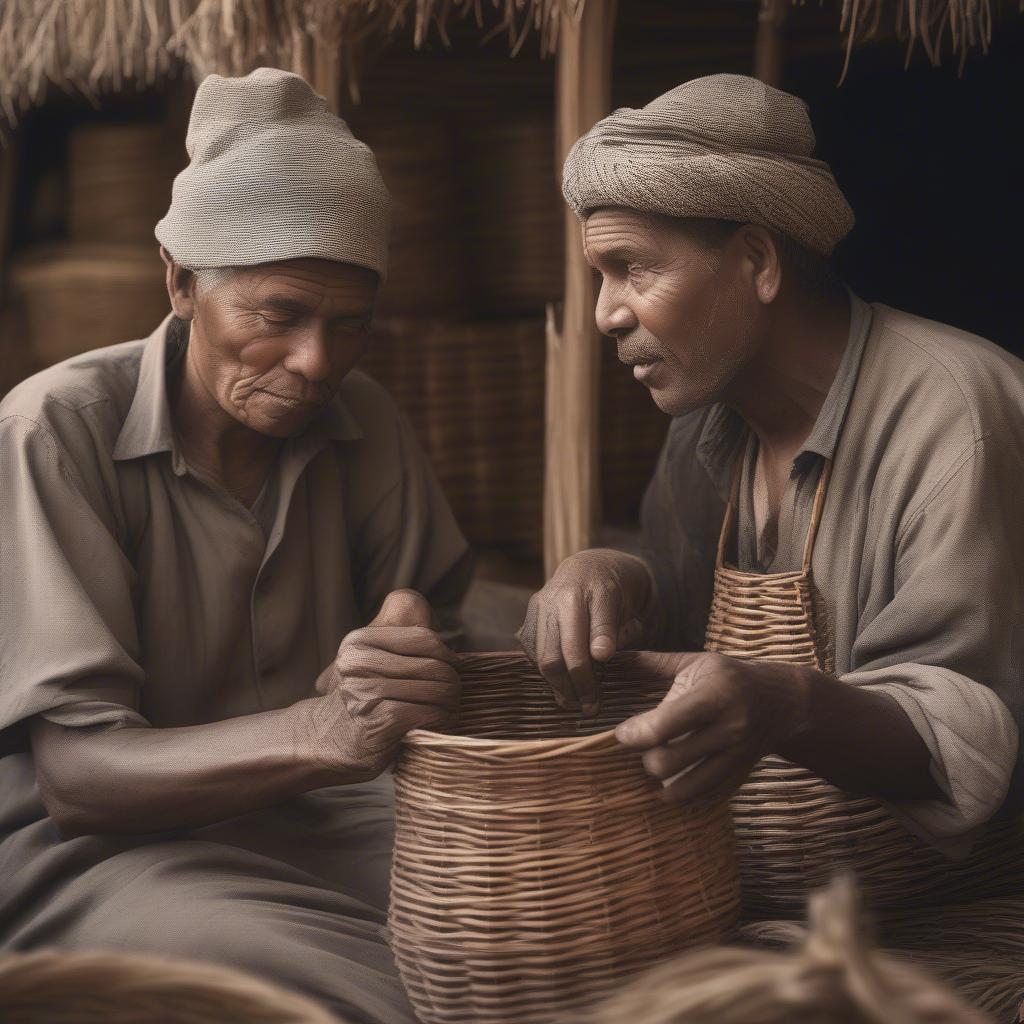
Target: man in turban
[711,223]
[192,525]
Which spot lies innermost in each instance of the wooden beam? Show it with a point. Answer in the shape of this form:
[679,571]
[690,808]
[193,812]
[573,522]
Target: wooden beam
[769,45]
[571,480]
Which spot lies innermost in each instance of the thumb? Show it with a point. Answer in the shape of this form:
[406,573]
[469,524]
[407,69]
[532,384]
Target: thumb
[656,664]
[404,608]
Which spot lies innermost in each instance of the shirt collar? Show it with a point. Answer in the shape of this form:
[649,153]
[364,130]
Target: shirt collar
[724,430]
[147,429]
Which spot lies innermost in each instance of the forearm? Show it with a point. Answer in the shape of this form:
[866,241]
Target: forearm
[137,780]
[858,740]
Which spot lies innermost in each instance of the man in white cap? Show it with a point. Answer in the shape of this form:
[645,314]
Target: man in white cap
[192,525]
[866,616]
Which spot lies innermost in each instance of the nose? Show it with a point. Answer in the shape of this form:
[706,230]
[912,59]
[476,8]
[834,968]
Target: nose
[614,318]
[308,356]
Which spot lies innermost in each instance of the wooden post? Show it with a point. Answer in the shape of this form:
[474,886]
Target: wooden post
[571,474]
[769,48]
[327,73]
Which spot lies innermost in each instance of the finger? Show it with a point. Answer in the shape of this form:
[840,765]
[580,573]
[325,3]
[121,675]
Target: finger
[402,717]
[574,635]
[681,711]
[527,635]
[657,664]
[604,623]
[671,758]
[629,633]
[404,608]
[551,664]
[363,695]
[370,663]
[402,641]
[717,777]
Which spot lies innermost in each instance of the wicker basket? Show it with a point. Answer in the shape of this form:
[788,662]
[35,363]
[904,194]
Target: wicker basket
[536,865]
[119,181]
[80,297]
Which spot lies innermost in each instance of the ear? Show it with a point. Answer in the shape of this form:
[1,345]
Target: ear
[181,287]
[763,262]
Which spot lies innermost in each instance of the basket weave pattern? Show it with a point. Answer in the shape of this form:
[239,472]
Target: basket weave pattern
[536,865]
[793,828]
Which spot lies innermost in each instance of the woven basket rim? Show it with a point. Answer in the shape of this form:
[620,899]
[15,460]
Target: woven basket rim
[555,746]
[530,749]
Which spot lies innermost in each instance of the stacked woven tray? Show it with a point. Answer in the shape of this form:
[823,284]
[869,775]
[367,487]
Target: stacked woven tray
[536,864]
[105,284]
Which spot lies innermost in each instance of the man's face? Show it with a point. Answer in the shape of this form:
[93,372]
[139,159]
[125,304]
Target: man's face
[272,344]
[682,315]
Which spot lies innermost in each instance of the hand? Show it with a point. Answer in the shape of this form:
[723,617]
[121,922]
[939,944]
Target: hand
[719,719]
[591,607]
[389,677]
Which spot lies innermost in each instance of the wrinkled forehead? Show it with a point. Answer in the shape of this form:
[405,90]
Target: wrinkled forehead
[618,232]
[305,286]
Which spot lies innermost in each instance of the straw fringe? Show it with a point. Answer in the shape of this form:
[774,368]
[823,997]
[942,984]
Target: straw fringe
[969,25]
[93,46]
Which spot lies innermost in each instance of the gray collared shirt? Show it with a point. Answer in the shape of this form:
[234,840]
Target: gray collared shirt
[133,591]
[920,554]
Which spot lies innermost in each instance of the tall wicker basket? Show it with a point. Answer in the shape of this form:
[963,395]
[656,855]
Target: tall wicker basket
[536,864]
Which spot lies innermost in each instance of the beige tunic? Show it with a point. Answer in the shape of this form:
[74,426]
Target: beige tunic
[133,592]
[920,554]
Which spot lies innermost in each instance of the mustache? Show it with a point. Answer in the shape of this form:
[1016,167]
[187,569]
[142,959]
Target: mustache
[640,346]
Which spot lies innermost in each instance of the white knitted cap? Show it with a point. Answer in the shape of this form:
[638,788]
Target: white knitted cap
[273,175]
[725,146]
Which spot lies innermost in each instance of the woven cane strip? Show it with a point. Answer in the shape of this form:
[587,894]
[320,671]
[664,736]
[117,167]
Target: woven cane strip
[536,865]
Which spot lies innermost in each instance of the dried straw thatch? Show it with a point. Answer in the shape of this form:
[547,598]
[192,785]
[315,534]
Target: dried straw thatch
[965,24]
[94,45]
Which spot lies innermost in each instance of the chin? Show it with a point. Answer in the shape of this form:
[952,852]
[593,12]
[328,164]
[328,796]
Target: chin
[674,404]
[281,427]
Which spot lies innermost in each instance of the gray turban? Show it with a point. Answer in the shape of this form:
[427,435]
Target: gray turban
[274,175]
[726,147]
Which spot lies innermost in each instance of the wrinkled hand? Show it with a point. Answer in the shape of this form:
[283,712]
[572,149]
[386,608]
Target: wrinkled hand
[591,607]
[719,719]
[389,677]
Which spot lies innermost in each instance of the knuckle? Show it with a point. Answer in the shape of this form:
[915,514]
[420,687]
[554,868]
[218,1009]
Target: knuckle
[551,665]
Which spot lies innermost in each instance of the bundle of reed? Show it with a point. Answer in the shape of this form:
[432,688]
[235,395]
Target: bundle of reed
[107,987]
[119,181]
[425,272]
[833,974]
[536,865]
[475,394]
[78,297]
[515,228]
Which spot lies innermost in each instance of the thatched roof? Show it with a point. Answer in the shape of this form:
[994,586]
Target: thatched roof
[94,45]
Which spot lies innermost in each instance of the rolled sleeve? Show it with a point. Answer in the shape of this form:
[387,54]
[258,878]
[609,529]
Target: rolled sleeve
[68,642]
[946,647]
